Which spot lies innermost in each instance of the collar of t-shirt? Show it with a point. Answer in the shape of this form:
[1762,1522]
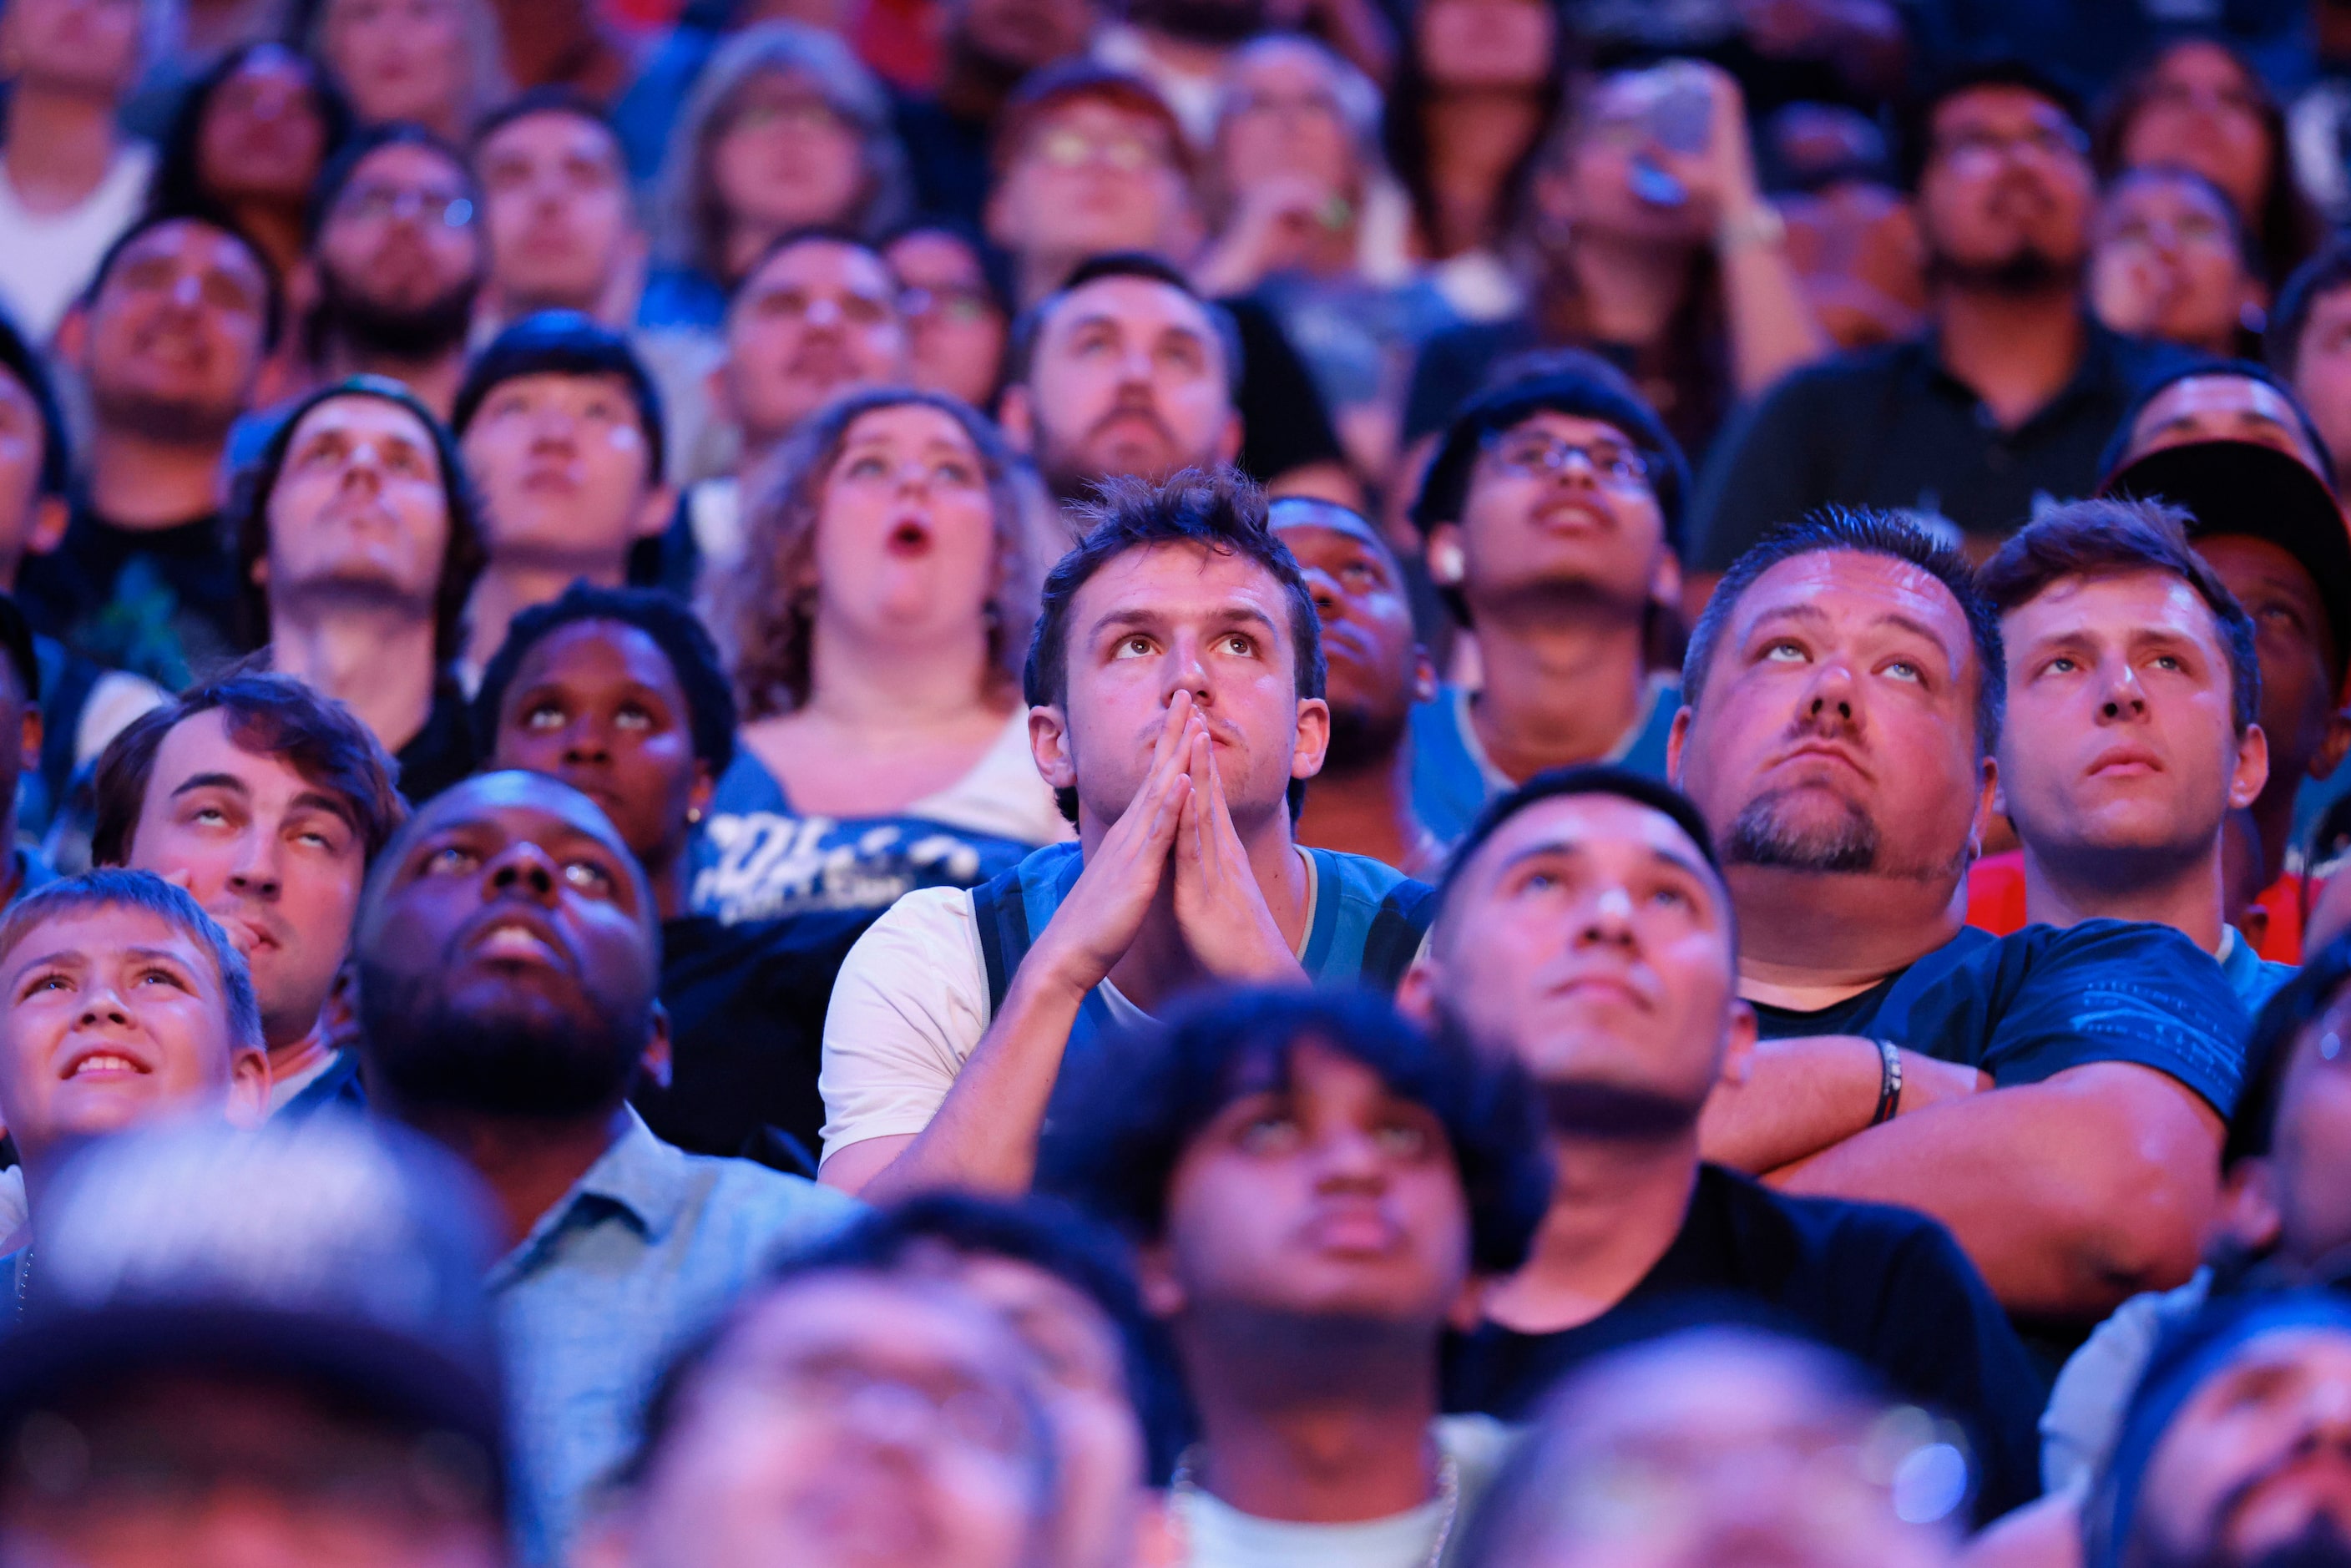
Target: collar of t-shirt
[1221,1536]
[2096,366]
[1126,1015]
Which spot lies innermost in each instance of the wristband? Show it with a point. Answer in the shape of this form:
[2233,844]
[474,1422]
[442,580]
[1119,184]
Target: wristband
[1889,1081]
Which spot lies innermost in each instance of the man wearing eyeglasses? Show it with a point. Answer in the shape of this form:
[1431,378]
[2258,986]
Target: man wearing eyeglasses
[1552,511]
[2011,391]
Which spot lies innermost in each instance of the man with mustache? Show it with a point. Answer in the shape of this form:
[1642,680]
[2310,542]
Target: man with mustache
[505,960]
[1553,512]
[267,801]
[2011,391]
[2055,1097]
[1585,930]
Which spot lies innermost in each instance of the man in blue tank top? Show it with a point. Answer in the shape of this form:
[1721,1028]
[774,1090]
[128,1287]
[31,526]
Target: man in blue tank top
[1176,705]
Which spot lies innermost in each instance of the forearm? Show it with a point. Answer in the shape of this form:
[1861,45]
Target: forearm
[1798,1097]
[1771,325]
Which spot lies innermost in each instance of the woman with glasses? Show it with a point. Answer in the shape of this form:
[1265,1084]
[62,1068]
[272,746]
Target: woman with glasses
[958,320]
[2169,260]
[878,625]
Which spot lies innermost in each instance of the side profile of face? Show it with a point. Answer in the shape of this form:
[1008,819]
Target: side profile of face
[2308,1167]
[276,859]
[565,472]
[2256,1465]
[402,241]
[2120,748]
[1711,1449]
[263,138]
[556,212]
[359,515]
[2321,372]
[597,705]
[1836,735]
[507,955]
[1560,504]
[1128,377]
[905,542]
[2221,407]
[1170,618]
[1376,668]
[1281,117]
[2202,112]
[176,336]
[2301,714]
[2007,188]
[1485,44]
[2164,261]
[90,47]
[813,321]
[1325,1195]
[850,1418]
[401,59]
[956,331]
[31,523]
[227,1470]
[1021,34]
[114,1015]
[1089,178]
[1590,937]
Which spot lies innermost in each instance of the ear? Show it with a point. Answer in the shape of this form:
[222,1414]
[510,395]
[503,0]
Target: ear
[2248,1213]
[260,571]
[1984,797]
[1314,739]
[1665,582]
[1423,674]
[1676,737]
[720,392]
[1155,1276]
[1468,1308]
[706,789]
[1446,563]
[1739,1032]
[1049,745]
[1229,445]
[72,339]
[2331,749]
[1999,801]
[50,515]
[1415,993]
[653,514]
[248,1088]
[2253,770]
[1017,413]
[657,1059]
[29,741]
[996,221]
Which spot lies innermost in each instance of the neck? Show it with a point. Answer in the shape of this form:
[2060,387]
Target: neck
[138,482]
[1159,962]
[376,659]
[2273,812]
[528,1164]
[291,1057]
[1312,1422]
[665,869]
[276,228]
[1808,940]
[1617,1206]
[434,378]
[2166,887]
[506,589]
[1564,680]
[59,144]
[1631,289]
[1366,810]
[1473,138]
[2016,351]
[884,685]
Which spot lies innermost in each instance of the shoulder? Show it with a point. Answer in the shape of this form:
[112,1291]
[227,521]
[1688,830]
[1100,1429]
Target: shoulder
[734,1203]
[1843,377]
[928,917]
[1834,1230]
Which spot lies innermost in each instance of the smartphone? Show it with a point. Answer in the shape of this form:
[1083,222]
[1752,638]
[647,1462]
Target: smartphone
[1681,117]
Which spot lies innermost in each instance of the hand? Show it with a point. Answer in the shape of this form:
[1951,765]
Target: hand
[1219,908]
[1096,924]
[1277,223]
[1720,176]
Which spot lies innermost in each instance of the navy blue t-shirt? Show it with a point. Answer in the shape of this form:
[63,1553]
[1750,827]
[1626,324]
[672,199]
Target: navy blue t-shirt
[2027,1006]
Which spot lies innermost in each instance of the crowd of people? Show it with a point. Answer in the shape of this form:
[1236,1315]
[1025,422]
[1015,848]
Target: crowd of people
[1237,783]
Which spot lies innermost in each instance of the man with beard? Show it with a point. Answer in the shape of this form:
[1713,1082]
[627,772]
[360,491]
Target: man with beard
[168,341]
[506,958]
[1315,1191]
[355,530]
[1552,511]
[1585,929]
[1362,803]
[2235,1451]
[1844,692]
[2013,390]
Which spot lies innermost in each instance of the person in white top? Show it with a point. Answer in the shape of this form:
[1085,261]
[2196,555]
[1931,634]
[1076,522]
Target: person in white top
[69,182]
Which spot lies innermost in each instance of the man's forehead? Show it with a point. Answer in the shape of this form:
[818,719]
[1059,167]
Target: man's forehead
[822,263]
[1134,304]
[2218,393]
[192,240]
[1849,579]
[96,931]
[2142,598]
[1997,101]
[204,742]
[408,163]
[1298,521]
[555,129]
[1597,821]
[1178,578]
[515,805]
[365,413]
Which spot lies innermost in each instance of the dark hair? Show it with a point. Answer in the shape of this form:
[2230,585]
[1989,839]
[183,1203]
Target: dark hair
[1137,1104]
[806,234]
[1029,326]
[363,145]
[1052,1237]
[461,560]
[273,287]
[668,624]
[1974,76]
[2106,537]
[2248,249]
[268,715]
[2288,227]
[111,887]
[18,359]
[1557,783]
[2328,271]
[2195,367]
[2269,1050]
[1220,511]
[179,183]
[563,343]
[550,97]
[16,640]
[1405,144]
[1841,531]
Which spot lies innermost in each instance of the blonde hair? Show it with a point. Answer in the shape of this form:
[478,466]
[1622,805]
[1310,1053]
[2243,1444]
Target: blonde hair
[770,614]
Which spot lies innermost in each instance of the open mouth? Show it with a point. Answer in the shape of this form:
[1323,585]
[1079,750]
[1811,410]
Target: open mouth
[101,1064]
[909,538]
[515,942]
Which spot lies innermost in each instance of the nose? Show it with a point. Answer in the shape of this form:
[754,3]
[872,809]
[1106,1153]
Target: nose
[1350,1160]
[256,870]
[523,870]
[2126,698]
[104,1006]
[1187,672]
[1323,589]
[1830,698]
[586,740]
[1607,918]
[825,315]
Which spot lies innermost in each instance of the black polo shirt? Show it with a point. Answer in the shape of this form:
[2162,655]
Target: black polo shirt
[1886,1286]
[1891,427]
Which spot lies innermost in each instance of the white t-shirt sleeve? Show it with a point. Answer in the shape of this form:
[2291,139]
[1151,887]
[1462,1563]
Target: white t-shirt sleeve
[909,1005]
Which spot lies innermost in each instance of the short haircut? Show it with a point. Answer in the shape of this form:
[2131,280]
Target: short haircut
[327,189]
[30,370]
[550,97]
[807,234]
[2325,273]
[563,343]
[1136,1105]
[110,887]
[1840,530]
[462,558]
[1029,326]
[268,715]
[1222,512]
[273,287]
[667,623]
[2269,1050]
[2109,538]
[2198,367]
[1972,76]
[1559,783]
[1048,1236]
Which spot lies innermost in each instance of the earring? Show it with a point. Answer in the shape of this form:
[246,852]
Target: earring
[692,816]
[1445,563]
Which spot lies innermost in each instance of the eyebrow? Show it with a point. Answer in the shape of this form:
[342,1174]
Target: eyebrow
[1142,617]
[229,781]
[1568,846]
